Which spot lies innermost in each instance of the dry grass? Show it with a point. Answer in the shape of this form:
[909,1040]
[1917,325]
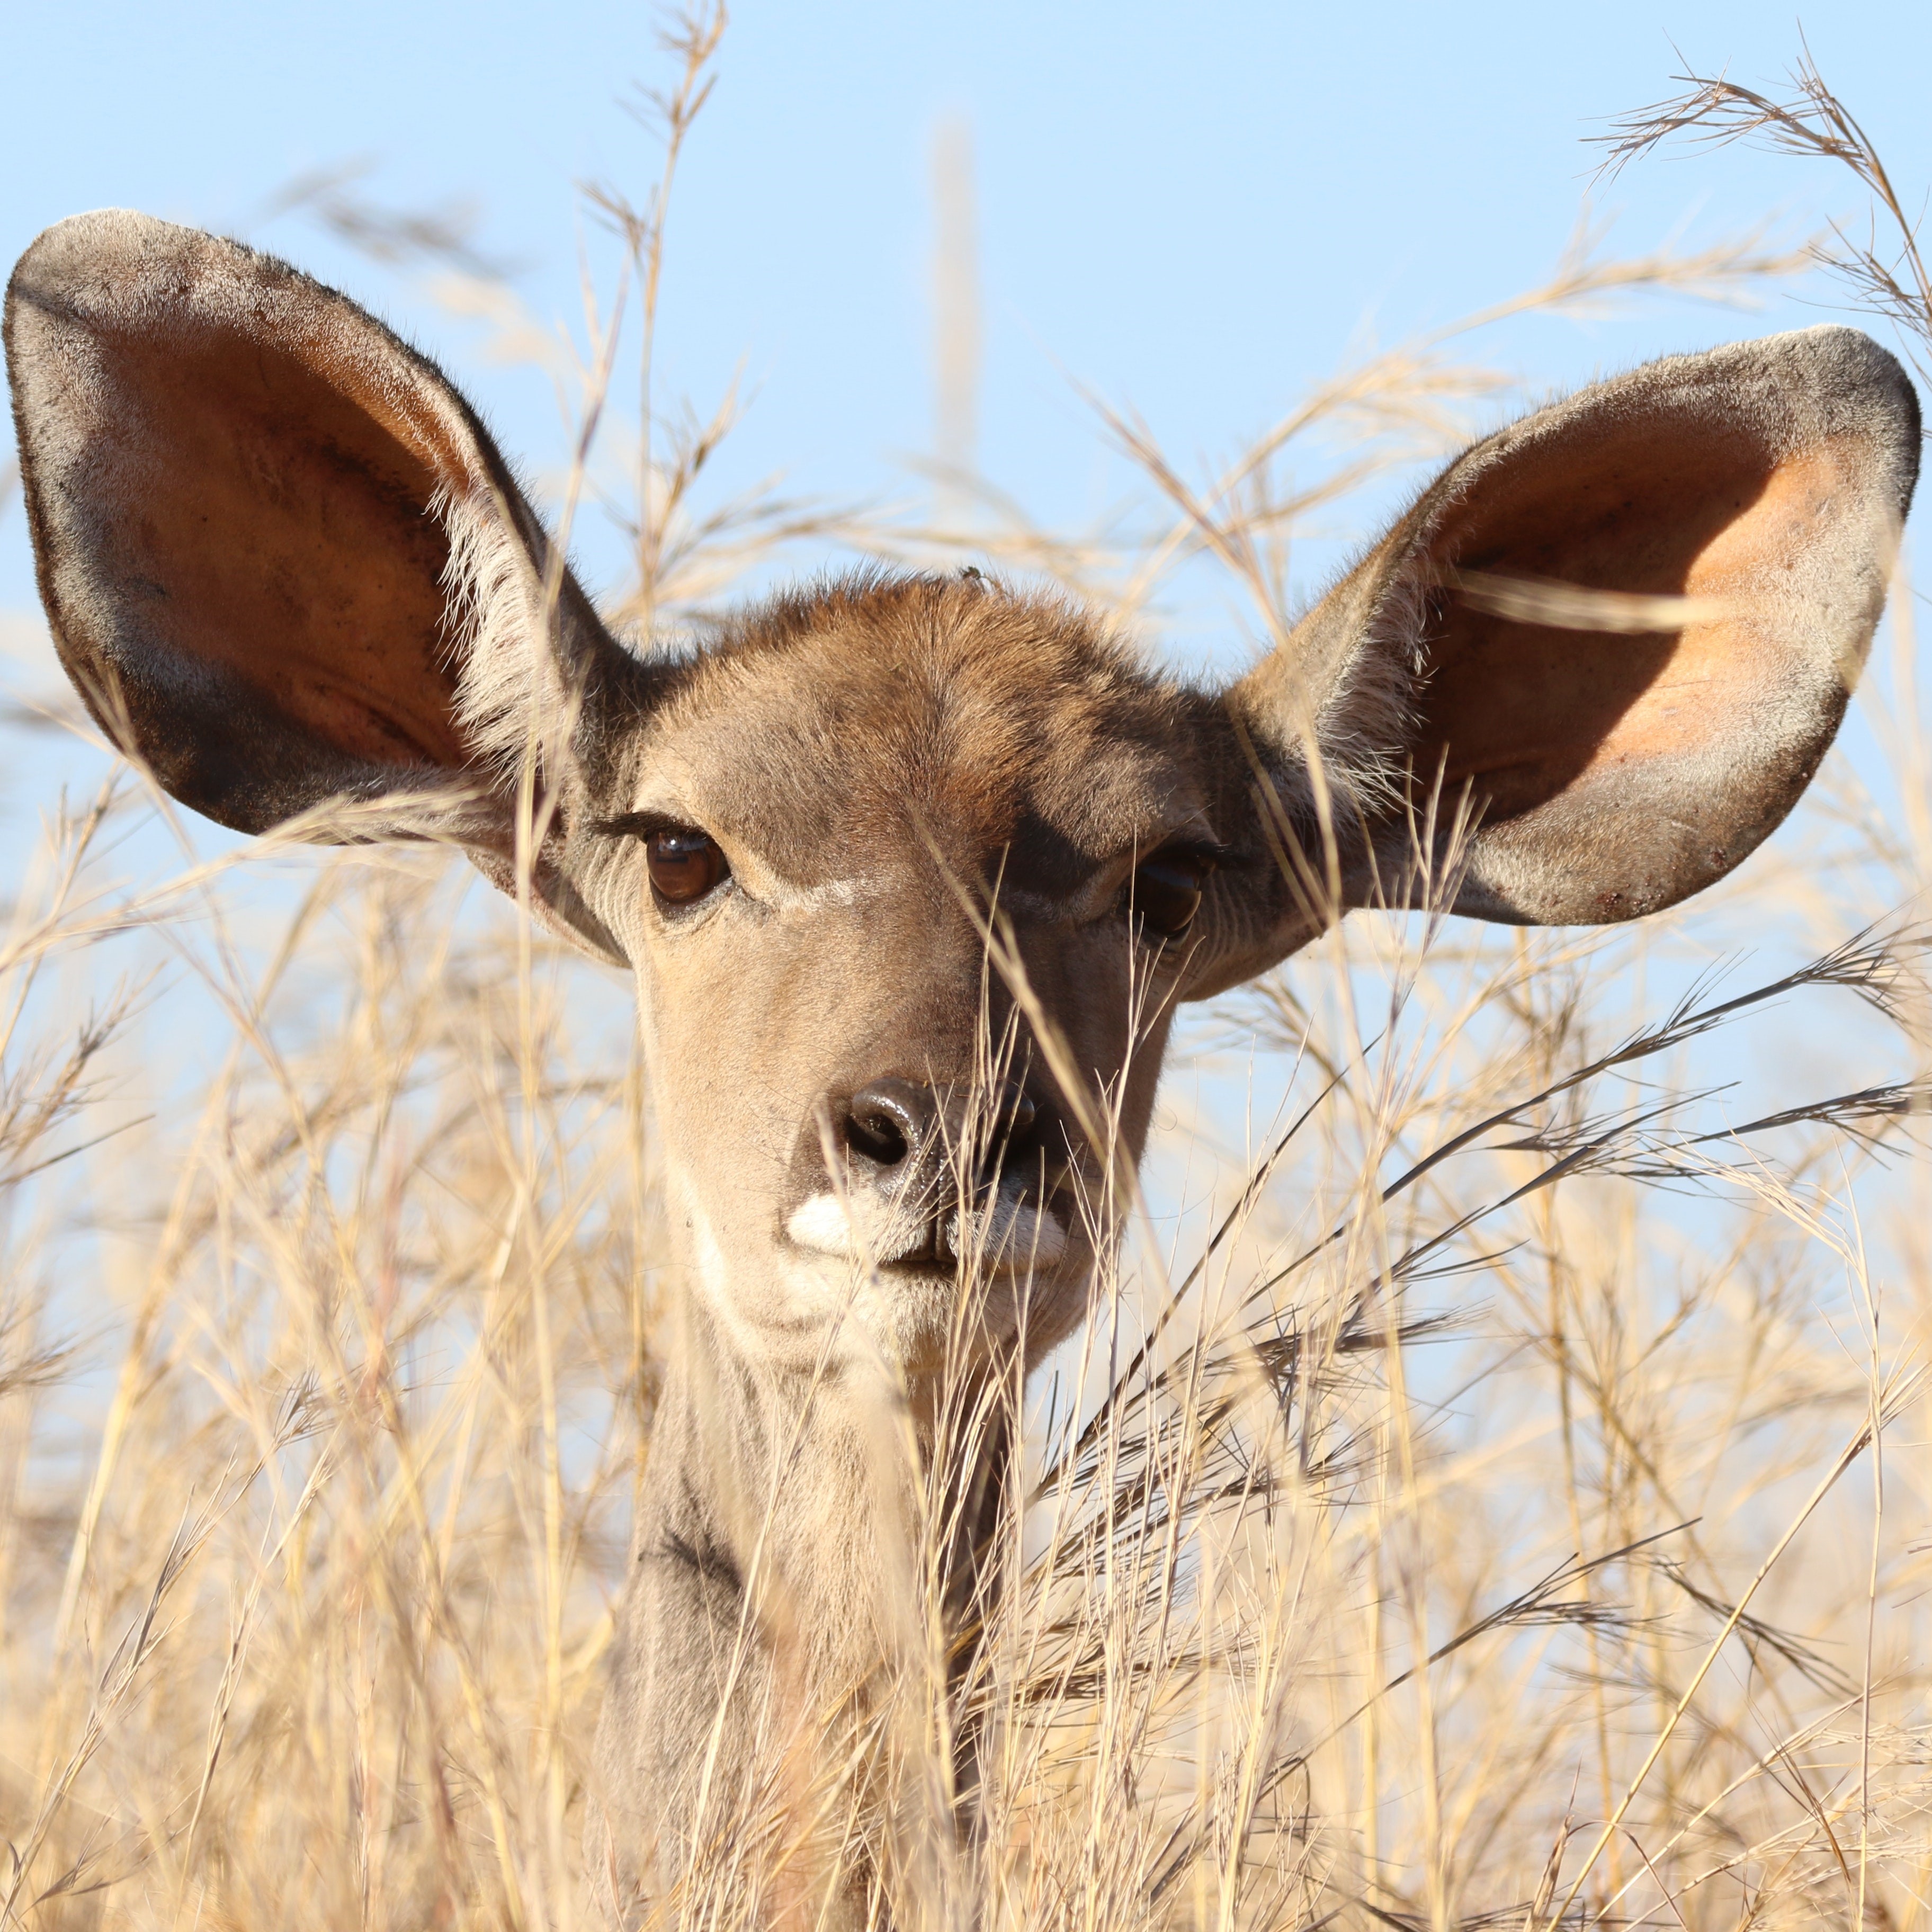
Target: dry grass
[1492,1491]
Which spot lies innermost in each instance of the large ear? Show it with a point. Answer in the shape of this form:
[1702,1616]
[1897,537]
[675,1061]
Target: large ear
[1615,753]
[284,562]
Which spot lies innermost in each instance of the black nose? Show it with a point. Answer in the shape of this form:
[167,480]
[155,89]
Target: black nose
[902,1124]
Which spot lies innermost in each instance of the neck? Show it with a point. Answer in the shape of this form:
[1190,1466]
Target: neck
[808,1537]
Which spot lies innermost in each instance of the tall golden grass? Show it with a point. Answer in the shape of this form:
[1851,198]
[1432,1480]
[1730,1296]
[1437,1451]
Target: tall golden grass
[1492,1490]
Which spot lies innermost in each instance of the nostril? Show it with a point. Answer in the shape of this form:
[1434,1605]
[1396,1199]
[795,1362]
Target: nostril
[875,1133]
[889,1121]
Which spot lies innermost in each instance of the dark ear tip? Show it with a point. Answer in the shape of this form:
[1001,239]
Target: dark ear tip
[89,265]
[1857,385]
[1848,354]
[111,263]
[80,248]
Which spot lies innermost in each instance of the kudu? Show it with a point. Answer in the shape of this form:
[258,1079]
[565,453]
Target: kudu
[1587,670]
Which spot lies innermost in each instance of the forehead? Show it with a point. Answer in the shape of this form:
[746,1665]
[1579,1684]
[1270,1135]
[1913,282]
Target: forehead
[827,730]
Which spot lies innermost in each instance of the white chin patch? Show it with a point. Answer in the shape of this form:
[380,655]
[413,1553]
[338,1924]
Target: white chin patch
[1005,1238]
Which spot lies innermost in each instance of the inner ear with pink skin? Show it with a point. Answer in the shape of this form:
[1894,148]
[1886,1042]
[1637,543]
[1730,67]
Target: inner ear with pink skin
[1617,637]
[284,564]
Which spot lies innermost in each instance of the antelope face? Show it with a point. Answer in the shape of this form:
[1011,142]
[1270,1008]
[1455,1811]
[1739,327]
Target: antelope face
[911,874]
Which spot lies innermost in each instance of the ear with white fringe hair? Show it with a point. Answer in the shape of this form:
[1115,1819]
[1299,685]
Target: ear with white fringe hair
[284,563]
[1595,664]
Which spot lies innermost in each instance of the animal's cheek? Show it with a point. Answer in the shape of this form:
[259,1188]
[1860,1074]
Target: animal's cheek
[1115,1018]
[714,1076]
[1086,986]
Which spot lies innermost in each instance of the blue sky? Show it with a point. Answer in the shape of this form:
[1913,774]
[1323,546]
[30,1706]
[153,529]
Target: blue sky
[1197,210]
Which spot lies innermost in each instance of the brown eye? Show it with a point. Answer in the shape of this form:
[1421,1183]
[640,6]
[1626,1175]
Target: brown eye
[1165,894]
[685,864]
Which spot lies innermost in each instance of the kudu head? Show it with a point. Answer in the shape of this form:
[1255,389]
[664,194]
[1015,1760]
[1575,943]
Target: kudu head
[912,872]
